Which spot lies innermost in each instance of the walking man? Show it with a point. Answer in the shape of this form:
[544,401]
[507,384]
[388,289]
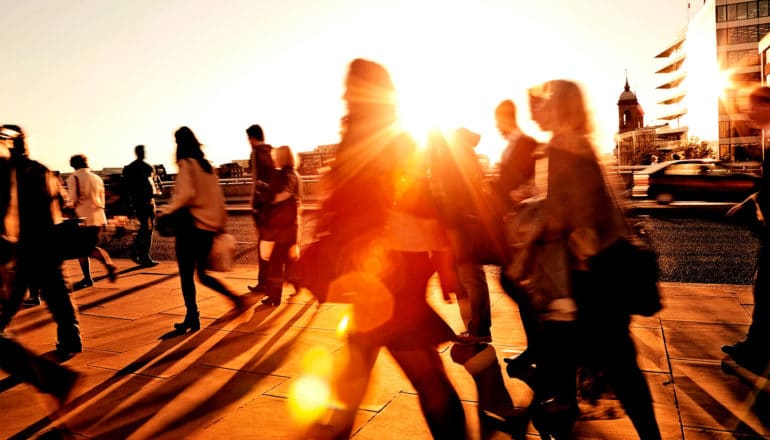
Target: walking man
[29,209]
[139,179]
[262,168]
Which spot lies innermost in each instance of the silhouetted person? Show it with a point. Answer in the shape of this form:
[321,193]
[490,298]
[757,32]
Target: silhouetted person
[281,224]
[388,267]
[196,190]
[29,207]
[262,168]
[86,194]
[138,177]
[580,220]
[753,353]
[515,184]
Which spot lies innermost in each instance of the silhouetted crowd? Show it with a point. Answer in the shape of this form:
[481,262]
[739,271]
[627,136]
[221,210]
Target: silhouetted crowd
[395,212]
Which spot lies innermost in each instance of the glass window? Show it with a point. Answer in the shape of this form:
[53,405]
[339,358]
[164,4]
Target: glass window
[741,11]
[724,129]
[762,8]
[753,34]
[721,14]
[732,36]
[762,30]
[731,12]
[752,10]
[721,36]
[683,169]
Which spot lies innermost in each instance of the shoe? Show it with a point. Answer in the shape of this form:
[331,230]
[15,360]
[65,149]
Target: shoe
[520,366]
[82,284]
[270,301]
[67,351]
[191,322]
[112,272]
[256,289]
[31,302]
[149,262]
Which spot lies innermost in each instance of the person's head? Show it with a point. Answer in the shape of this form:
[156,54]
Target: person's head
[139,151]
[187,145]
[505,117]
[369,92]
[464,138]
[256,135]
[79,161]
[759,106]
[283,157]
[14,135]
[558,106]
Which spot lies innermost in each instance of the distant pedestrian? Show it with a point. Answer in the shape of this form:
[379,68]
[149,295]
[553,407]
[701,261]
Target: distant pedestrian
[86,194]
[262,168]
[138,177]
[197,191]
[753,353]
[514,185]
[280,229]
[29,209]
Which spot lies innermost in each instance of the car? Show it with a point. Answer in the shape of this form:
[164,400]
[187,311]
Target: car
[694,179]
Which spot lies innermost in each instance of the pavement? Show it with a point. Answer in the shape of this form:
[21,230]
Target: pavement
[238,376]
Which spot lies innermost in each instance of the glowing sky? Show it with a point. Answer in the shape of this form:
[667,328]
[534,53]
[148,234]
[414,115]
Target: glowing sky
[100,76]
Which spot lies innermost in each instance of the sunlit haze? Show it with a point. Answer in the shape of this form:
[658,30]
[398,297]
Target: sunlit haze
[98,77]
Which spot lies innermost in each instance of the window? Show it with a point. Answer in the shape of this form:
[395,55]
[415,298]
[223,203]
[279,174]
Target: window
[752,33]
[731,12]
[683,169]
[721,14]
[732,36]
[762,8]
[721,37]
[741,11]
[724,129]
[762,30]
[752,10]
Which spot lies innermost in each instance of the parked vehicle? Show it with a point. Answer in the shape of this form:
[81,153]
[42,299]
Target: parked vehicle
[694,179]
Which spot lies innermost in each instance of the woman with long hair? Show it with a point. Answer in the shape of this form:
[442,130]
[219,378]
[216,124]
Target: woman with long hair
[582,219]
[371,212]
[196,190]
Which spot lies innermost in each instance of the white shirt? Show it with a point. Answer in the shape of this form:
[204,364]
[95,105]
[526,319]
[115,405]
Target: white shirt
[86,193]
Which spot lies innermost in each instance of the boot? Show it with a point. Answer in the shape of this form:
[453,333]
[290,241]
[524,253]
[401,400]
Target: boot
[191,322]
[554,409]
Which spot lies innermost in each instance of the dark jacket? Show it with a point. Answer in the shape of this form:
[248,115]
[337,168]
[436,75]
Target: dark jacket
[137,179]
[262,169]
[281,218]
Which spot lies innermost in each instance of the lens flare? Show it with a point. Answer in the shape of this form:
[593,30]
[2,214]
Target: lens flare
[343,326]
[308,398]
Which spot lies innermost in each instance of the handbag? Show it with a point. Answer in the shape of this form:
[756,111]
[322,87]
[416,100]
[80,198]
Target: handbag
[169,225]
[628,273]
[222,253]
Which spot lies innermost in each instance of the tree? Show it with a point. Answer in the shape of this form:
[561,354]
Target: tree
[696,149]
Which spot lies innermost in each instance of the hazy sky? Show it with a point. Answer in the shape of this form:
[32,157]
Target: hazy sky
[100,76]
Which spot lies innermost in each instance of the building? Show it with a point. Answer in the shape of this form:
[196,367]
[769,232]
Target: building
[707,70]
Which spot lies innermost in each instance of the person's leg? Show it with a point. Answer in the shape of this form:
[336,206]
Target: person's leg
[759,331]
[263,265]
[278,259]
[474,282]
[185,257]
[145,214]
[17,286]
[202,242]
[85,267]
[439,401]
[47,376]
[519,366]
[56,295]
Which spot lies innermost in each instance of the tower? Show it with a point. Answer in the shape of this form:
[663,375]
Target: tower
[630,114]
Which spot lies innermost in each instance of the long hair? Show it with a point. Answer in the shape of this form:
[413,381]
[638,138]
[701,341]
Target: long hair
[563,104]
[188,147]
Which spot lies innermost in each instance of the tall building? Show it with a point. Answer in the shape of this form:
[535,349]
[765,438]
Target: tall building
[706,71]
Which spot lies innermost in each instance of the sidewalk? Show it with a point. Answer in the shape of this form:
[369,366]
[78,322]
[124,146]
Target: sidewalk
[232,379]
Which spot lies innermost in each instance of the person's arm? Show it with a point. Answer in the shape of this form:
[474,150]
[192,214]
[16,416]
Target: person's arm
[72,191]
[184,188]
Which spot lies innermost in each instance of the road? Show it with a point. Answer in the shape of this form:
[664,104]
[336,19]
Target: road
[696,244]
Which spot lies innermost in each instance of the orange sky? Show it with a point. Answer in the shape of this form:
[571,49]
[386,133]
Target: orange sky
[99,77]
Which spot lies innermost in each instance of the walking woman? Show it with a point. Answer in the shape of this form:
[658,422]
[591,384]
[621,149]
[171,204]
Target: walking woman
[197,191]
[384,259]
[581,218]
[280,228]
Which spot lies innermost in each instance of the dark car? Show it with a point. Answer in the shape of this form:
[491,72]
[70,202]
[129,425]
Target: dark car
[694,179]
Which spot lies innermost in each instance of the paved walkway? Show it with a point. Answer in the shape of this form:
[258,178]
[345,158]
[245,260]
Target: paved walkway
[234,378]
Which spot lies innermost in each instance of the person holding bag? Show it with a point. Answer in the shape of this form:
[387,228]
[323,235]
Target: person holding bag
[196,190]
[581,220]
